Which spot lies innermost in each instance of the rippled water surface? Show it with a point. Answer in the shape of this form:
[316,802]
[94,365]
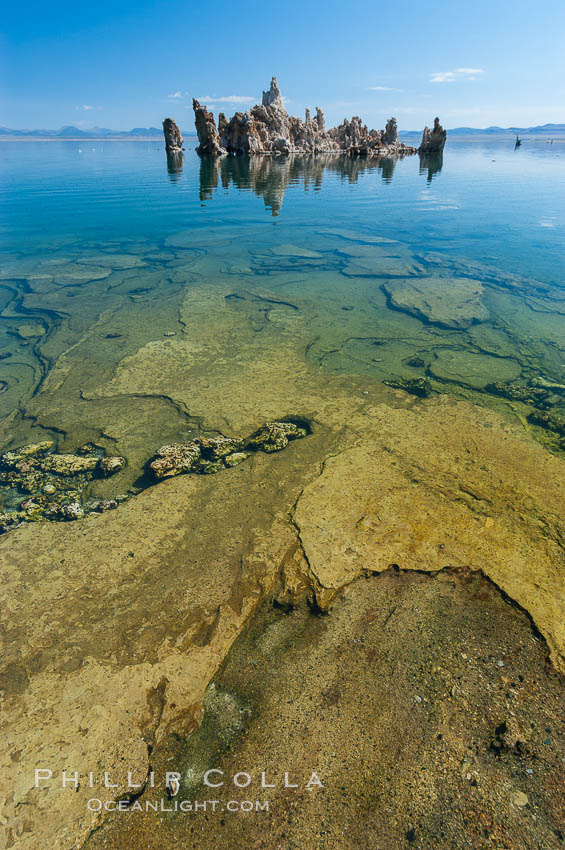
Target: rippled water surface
[436,276]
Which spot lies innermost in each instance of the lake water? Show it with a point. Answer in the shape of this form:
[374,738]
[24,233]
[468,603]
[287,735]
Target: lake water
[438,276]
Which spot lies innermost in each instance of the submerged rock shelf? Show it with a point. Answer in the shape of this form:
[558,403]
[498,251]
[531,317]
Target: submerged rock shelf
[464,326]
[312,688]
[430,485]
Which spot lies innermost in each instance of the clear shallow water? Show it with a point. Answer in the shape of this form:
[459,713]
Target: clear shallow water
[447,271]
[488,200]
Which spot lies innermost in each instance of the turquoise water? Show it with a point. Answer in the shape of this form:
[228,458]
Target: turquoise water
[488,202]
[447,273]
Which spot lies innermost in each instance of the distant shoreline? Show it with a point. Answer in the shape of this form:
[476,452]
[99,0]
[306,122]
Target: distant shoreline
[452,140]
[474,137]
[84,139]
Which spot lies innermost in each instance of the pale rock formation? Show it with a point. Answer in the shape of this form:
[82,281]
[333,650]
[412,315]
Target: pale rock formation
[173,138]
[207,455]
[208,138]
[269,129]
[273,97]
[390,132]
[354,137]
[433,141]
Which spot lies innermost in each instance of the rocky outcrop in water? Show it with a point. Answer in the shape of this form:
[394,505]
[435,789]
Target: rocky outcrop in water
[267,128]
[390,133]
[173,138]
[433,141]
[273,97]
[420,387]
[48,485]
[207,455]
[208,138]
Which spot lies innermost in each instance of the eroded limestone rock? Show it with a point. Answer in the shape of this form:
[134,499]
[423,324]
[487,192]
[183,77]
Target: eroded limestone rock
[415,386]
[219,447]
[268,128]
[110,465]
[273,97]
[390,133]
[174,459]
[68,464]
[208,138]
[274,436]
[433,141]
[516,392]
[173,139]
[43,484]
[205,455]
[71,511]
[11,459]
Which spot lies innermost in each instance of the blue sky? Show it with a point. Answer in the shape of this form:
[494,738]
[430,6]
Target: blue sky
[125,64]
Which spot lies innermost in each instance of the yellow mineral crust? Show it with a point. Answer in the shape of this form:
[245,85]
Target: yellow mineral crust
[115,624]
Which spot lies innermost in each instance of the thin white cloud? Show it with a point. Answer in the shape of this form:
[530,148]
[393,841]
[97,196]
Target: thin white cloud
[384,88]
[459,74]
[443,77]
[175,95]
[87,108]
[230,98]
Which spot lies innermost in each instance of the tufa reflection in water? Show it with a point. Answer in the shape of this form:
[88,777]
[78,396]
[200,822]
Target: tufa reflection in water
[175,162]
[431,163]
[270,177]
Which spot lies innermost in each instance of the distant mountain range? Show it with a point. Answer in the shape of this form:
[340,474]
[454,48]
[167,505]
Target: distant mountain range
[542,130]
[70,132]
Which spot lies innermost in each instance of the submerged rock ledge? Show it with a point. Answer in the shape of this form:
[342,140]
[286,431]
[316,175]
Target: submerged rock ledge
[267,128]
[138,607]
